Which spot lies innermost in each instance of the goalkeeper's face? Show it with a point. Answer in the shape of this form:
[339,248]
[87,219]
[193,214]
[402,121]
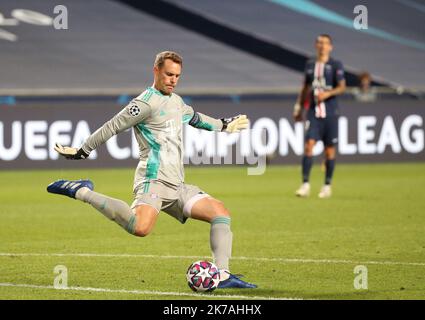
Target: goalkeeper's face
[167,76]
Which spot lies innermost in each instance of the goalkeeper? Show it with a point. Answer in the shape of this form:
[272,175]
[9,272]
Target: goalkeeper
[157,116]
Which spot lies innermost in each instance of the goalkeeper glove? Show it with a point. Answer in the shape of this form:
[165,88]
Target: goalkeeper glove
[235,124]
[71,153]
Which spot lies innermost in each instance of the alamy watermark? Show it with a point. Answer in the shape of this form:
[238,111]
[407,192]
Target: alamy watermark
[360,21]
[61,279]
[361,277]
[248,147]
[58,20]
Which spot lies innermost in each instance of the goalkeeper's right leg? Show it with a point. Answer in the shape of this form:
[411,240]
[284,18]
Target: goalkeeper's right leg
[138,222]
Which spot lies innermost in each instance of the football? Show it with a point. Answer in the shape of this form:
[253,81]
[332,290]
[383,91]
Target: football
[203,276]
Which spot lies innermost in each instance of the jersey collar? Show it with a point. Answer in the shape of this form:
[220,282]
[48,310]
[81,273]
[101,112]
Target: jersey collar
[159,92]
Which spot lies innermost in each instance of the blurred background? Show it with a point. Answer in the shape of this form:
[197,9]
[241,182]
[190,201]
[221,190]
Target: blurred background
[65,70]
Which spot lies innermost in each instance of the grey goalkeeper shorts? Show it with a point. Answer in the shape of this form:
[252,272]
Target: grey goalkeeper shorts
[175,200]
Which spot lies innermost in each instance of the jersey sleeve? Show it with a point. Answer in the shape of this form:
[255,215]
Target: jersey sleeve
[201,121]
[187,113]
[339,72]
[135,112]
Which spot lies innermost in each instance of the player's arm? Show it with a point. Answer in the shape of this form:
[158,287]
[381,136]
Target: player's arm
[339,88]
[297,113]
[303,95]
[202,121]
[135,112]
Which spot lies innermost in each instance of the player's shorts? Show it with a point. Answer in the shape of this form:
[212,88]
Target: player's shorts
[177,201]
[325,129]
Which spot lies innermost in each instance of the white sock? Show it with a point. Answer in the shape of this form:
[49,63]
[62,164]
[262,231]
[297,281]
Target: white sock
[221,242]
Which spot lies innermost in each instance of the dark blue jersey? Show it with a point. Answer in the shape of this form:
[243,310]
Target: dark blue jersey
[323,77]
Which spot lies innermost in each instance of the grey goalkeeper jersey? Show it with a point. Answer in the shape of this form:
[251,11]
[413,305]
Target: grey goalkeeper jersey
[157,121]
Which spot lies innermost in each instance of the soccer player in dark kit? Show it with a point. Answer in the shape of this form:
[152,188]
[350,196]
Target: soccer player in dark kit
[324,81]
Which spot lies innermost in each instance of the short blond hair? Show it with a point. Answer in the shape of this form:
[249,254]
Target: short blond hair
[162,56]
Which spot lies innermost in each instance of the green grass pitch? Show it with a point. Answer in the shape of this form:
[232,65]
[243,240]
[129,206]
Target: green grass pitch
[290,247]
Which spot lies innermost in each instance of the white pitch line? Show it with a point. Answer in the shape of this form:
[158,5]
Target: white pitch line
[282,260]
[145,292]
